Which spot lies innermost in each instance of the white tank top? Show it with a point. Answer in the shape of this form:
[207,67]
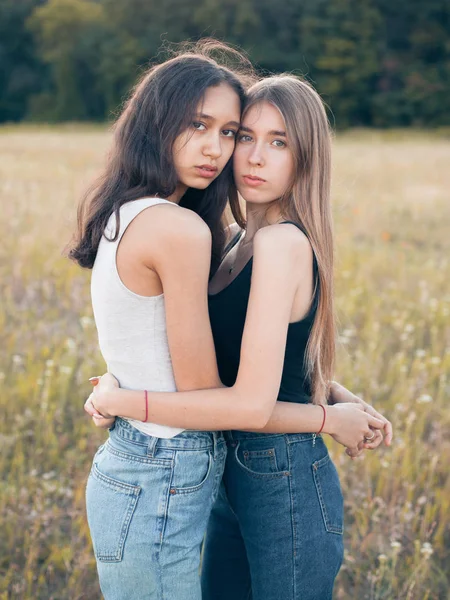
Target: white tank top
[131,328]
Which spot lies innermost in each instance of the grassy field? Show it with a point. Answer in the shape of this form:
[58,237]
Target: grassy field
[392,216]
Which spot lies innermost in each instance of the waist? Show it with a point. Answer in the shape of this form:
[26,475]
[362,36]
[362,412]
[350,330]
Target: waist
[142,374]
[187,439]
[290,438]
[153,378]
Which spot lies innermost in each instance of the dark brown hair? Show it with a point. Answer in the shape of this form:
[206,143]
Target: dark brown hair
[161,106]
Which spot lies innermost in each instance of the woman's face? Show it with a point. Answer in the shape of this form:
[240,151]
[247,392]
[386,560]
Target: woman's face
[202,151]
[263,162]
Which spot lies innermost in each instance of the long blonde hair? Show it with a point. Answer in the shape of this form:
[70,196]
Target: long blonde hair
[307,202]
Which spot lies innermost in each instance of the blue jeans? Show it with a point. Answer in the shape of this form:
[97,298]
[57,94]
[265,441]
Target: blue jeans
[148,503]
[276,529]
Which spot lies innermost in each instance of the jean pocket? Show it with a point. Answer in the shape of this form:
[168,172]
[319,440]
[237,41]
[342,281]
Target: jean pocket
[329,494]
[191,470]
[259,462]
[110,507]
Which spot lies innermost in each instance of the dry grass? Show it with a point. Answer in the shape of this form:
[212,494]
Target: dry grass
[392,224]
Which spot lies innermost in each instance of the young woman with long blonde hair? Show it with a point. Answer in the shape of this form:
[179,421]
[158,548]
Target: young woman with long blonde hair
[276,528]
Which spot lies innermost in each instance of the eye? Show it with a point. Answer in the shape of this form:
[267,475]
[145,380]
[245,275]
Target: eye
[199,126]
[245,138]
[229,133]
[279,143]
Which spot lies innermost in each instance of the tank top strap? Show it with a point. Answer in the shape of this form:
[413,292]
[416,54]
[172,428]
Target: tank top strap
[232,243]
[298,225]
[128,212]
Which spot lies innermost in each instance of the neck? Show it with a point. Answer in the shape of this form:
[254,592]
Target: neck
[259,216]
[179,192]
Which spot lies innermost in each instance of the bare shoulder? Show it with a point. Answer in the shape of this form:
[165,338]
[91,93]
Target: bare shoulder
[283,241]
[166,224]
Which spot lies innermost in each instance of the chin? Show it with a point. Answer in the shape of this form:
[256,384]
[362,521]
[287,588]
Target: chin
[199,183]
[253,195]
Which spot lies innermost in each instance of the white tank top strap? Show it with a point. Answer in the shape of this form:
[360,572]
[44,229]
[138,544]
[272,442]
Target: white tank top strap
[130,211]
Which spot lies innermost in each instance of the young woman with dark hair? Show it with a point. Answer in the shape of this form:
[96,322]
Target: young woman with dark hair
[147,231]
[276,528]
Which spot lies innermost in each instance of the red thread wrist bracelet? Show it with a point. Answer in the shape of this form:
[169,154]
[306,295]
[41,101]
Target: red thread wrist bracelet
[324,417]
[146,406]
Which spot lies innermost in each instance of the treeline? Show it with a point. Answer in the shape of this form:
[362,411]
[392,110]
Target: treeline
[377,63]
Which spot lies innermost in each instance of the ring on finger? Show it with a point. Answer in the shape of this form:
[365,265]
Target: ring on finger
[369,439]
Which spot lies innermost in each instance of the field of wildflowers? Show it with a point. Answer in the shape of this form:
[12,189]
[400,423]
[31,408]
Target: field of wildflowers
[392,220]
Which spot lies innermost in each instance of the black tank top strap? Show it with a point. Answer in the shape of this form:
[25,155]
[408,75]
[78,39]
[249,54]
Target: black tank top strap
[232,243]
[298,225]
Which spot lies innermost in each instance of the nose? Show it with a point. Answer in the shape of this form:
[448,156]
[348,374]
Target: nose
[213,146]
[255,157]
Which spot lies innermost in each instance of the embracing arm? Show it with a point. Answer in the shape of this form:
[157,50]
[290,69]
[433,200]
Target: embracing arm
[250,403]
[175,244]
[182,260]
[251,400]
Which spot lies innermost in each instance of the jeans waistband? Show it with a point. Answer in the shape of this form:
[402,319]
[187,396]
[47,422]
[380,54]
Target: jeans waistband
[235,436]
[186,440]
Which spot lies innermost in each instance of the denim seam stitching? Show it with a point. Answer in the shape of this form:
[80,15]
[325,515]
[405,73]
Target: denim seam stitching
[166,507]
[163,521]
[195,488]
[302,440]
[263,454]
[187,448]
[315,467]
[133,493]
[277,475]
[131,439]
[160,462]
[294,529]
[131,490]
[260,436]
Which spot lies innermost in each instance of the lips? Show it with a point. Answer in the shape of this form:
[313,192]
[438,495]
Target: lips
[253,180]
[206,171]
[208,168]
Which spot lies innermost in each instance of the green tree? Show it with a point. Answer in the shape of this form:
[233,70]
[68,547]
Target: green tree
[340,42]
[415,64]
[21,71]
[375,62]
[69,34]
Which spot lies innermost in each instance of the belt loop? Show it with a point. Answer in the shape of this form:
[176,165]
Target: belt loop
[151,448]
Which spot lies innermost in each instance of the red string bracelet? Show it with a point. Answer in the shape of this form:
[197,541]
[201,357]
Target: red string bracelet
[324,417]
[146,406]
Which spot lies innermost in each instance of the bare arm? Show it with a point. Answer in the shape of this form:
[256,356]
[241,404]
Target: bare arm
[181,258]
[175,244]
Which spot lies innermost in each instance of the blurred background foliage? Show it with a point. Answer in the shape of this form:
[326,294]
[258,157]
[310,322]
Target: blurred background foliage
[378,63]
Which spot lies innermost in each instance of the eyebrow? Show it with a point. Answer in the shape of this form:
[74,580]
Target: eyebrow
[204,116]
[273,132]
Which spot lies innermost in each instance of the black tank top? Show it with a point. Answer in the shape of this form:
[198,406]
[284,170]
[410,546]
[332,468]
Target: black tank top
[227,312]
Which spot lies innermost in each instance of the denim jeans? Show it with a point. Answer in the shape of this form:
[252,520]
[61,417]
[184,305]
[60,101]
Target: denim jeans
[276,529]
[148,502]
